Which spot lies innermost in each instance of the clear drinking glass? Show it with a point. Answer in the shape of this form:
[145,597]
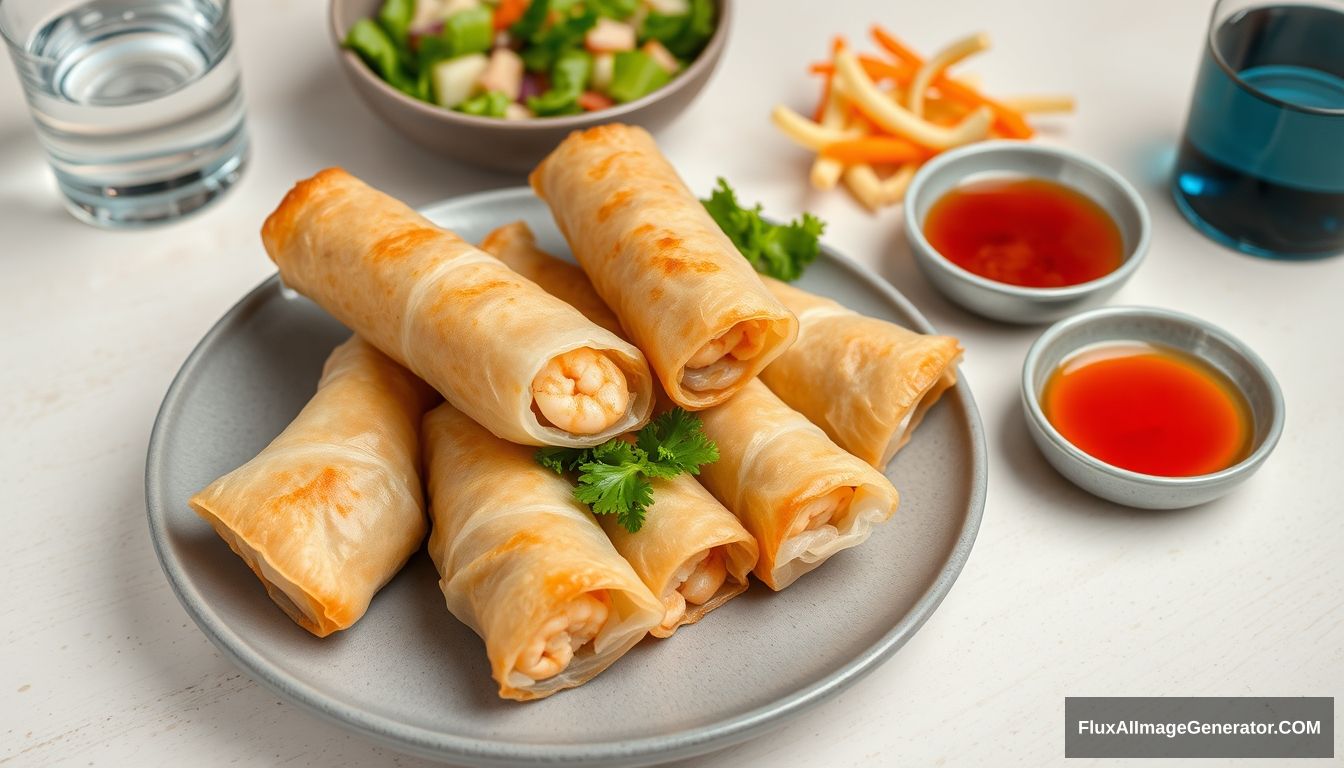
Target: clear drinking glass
[1261,165]
[137,102]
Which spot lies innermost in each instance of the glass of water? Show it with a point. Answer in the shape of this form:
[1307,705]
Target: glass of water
[137,102]
[1261,166]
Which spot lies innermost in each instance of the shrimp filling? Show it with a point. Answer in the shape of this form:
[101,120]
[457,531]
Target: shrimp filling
[718,363]
[698,580]
[556,642]
[581,392]
[820,512]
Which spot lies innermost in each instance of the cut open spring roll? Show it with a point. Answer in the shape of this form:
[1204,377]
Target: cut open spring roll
[800,495]
[691,551]
[525,365]
[678,284]
[524,564]
[866,382]
[332,508]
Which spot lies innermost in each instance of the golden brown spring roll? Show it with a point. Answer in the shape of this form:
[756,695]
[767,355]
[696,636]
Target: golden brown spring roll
[691,552]
[866,382]
[331,509]
[525,365]
[524,564]
[798,493]
[681,289]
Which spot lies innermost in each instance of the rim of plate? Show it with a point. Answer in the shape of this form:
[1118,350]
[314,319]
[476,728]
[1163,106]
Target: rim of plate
[436,744]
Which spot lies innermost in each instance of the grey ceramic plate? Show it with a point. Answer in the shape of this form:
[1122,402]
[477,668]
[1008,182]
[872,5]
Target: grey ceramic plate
[410,675]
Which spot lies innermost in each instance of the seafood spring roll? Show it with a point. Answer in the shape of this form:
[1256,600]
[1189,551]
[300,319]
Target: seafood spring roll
[525,365]
[331,509]
[524,564]
[800,495]
[691,552]
[680,288]
[866,382]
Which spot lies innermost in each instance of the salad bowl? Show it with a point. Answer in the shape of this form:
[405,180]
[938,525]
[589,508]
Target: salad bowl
[511,145]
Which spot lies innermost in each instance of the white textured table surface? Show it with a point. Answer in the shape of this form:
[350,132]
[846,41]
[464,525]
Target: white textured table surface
[1063,595]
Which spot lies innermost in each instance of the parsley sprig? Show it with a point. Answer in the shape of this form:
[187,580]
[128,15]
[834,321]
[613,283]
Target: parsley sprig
[613,478]
[781,251]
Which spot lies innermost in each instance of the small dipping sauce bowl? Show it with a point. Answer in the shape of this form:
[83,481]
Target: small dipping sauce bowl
[995,160]
[1195,337]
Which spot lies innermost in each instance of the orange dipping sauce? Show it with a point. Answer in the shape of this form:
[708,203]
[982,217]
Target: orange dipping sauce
[1028,232]
[1149,409]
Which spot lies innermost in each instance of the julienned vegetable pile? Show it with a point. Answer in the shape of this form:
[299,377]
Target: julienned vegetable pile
[881,116]
[517,59]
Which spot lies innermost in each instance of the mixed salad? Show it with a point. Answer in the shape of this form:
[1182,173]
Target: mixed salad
[517,59]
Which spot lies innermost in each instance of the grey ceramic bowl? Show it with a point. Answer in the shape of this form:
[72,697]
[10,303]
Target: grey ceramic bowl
[510,145]
[1172,329]
[998,159]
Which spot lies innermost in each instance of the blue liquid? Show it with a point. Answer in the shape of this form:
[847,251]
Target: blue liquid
[1261,167]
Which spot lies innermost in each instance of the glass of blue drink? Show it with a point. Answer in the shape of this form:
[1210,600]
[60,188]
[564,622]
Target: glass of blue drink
[137,102]
[1261,164]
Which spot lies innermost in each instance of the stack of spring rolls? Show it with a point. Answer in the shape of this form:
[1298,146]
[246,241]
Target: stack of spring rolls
[806,400]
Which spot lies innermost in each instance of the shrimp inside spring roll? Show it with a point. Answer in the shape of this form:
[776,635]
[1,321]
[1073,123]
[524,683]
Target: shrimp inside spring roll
[582,391]
[799,494]
[681,289]
[691,552]
[522,363]
[524,564]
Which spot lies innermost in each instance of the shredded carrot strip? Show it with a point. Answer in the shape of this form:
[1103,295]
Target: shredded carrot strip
[509,12]
[1007,121]
[874,149]
[837,44]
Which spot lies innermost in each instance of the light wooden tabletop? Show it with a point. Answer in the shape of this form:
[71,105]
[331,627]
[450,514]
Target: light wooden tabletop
[1063,594]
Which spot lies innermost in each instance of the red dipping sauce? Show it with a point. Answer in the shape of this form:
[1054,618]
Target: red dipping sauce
[1028,232]
[1149,409]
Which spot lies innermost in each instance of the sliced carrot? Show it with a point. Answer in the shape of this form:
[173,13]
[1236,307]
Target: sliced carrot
[895,47]
[874,149]
[1007,121]
[509,12]
[876,68]
[592,101]
[837,44]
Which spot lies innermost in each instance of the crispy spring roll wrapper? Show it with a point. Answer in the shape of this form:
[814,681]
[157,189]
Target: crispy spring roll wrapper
[525,365]
[329,511]
[524,564]
[678,284]
[800,495]
[866,382]
[516,246]
[691,552]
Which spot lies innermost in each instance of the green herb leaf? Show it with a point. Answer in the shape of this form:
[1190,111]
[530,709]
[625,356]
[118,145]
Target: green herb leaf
[685,35]
[614,476]
[614,9]
[560,459]
[569,76]
[372,43]
[395,17]
[676,442]
[614,484]
[488,104]
[781,251]
[546,43]
[534,18]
